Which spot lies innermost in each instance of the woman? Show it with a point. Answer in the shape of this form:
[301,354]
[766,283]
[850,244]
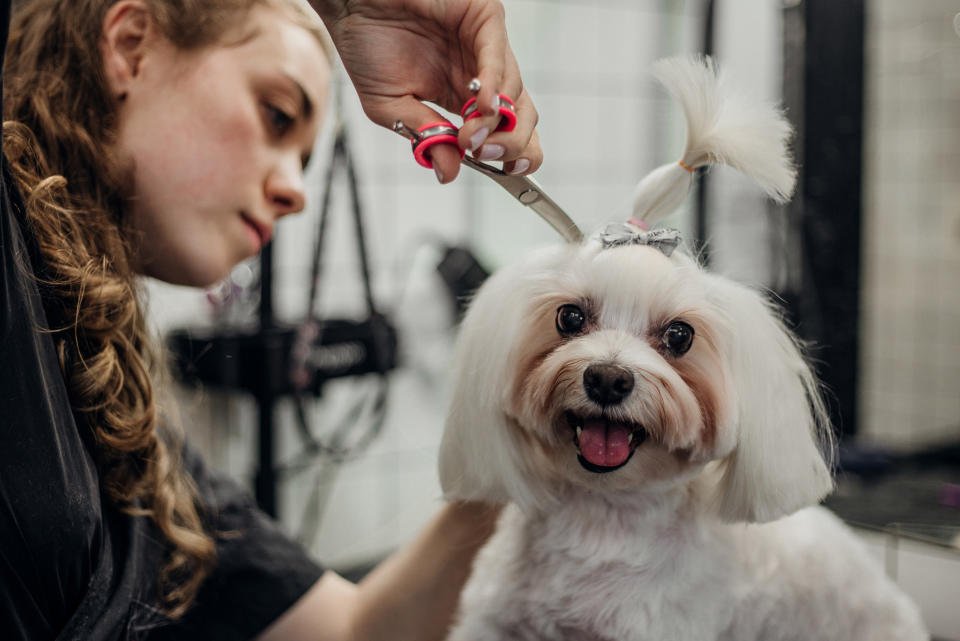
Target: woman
[166,137]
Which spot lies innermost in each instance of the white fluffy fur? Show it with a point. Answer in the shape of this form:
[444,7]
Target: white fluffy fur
[670,573]
[723,127]
[703,533]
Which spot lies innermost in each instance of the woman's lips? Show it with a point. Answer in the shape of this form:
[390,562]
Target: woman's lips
[261,231]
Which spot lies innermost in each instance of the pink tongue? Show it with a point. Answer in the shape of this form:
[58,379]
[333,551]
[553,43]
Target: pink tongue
[604,444]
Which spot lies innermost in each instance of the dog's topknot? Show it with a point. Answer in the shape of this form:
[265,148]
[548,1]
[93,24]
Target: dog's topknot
[723,127]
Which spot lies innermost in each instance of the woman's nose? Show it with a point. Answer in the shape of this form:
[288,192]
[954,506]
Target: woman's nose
[285,188]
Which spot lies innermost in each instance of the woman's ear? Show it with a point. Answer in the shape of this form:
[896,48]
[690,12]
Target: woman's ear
[128,31]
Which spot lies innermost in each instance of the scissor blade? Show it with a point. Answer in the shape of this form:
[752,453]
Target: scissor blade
[529,193]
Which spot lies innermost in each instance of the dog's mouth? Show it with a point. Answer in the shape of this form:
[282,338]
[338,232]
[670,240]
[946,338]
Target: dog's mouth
[604,445]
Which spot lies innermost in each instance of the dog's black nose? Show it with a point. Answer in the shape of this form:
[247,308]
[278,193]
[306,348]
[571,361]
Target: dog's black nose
[607,384]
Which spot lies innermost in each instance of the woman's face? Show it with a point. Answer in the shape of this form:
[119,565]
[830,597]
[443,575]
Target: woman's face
[216,141]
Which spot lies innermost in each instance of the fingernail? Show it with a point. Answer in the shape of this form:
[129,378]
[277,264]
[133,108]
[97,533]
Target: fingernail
[436,170]
[478,137]
[519,166]
[496,103]
[491,152]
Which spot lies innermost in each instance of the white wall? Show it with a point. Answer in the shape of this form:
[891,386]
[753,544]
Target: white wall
[740,215]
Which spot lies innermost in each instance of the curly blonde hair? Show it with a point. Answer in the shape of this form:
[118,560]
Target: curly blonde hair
[59,125]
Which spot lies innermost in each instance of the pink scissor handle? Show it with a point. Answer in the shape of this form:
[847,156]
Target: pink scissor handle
[434,133]
[508,112]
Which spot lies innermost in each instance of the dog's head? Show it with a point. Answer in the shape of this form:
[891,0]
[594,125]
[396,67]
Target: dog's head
[623,370]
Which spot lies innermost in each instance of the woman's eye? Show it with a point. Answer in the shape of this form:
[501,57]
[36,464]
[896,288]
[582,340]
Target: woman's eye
[570,319]
[280,121]
[678,337]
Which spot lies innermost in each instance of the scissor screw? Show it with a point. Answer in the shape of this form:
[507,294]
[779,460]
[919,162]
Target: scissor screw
[401,128]
[474,85]
[529,196]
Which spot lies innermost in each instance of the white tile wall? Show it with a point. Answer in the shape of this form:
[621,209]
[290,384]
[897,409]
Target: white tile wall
[910,360]
[740,215]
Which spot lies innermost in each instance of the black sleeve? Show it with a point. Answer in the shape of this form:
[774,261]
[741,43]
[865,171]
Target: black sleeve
[260,571]
[50,529]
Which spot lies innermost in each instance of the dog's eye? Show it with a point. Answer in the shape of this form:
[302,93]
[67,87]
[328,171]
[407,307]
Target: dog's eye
[570,319]
[678,337]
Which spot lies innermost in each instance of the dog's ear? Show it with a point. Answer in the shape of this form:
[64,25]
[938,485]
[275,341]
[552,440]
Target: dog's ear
[782,426]
[479,456]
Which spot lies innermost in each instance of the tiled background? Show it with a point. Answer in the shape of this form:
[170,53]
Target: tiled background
[910,392]
[603,125]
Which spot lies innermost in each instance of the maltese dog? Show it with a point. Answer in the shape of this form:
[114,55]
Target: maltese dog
[657,432]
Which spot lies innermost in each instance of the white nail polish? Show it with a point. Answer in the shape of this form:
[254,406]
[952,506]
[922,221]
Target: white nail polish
[478,137]
[520,166]
[491,152]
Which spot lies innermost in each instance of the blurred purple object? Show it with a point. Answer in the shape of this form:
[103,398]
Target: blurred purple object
[950,494]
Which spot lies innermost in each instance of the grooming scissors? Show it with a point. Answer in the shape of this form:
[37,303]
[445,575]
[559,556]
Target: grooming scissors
[523,188]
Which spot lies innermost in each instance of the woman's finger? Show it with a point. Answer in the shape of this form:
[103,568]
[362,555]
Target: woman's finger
[510,146]
[445,157]
[490,49]
[528,160]
[498,73]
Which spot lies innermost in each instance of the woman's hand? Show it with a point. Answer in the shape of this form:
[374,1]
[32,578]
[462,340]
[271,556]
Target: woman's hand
[412,596]
[400,53]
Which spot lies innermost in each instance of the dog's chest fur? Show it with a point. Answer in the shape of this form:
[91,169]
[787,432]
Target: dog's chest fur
[589,572]
[659,570]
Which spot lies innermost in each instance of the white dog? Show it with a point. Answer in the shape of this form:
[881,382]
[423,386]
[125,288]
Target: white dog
[653,425]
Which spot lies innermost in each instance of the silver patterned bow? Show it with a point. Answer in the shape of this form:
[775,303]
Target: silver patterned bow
[618,234]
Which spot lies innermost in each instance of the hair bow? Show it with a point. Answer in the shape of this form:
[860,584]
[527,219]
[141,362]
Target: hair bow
[617,234]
